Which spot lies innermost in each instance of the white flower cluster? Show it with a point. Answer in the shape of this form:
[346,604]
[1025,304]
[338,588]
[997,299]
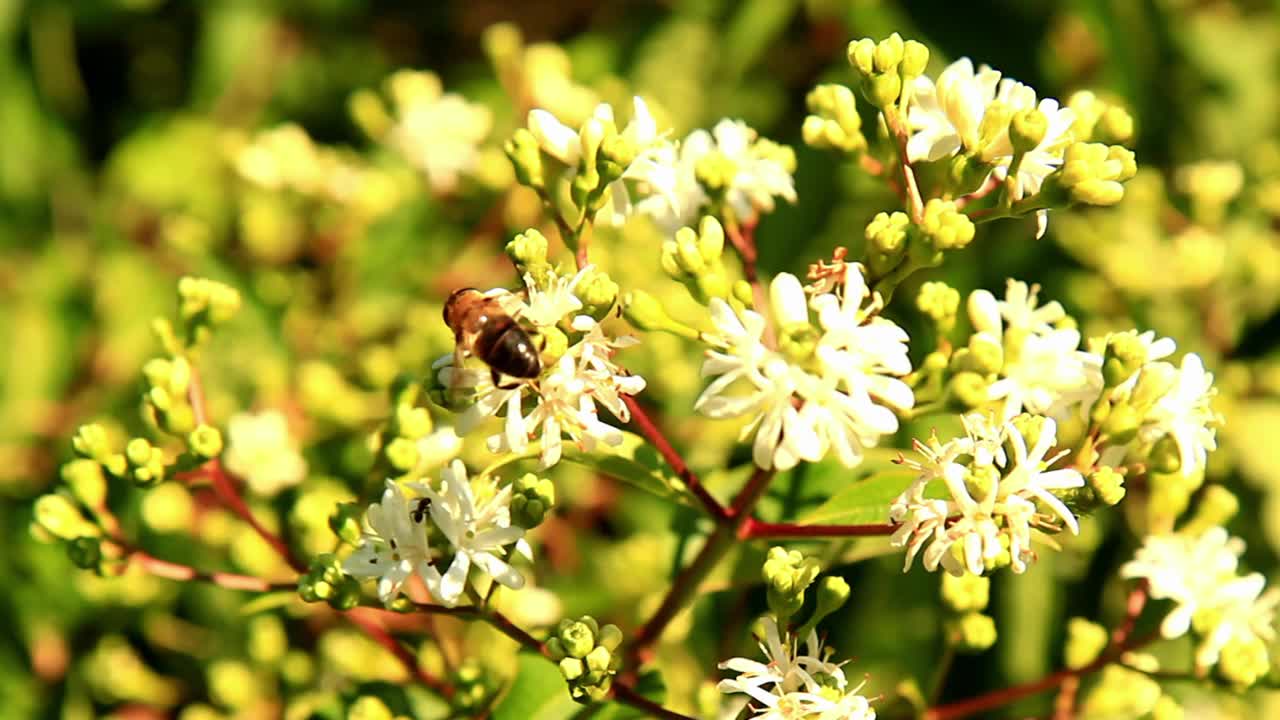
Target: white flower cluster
[473,525]
[947,116]
[1200,575]
[831,386]
[437,132]
[795,684]
[996,497]
[564,399]
[262,453]
[661,181]
[1042,369]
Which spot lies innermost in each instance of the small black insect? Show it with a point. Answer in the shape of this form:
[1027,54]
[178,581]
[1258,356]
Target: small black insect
[419,512]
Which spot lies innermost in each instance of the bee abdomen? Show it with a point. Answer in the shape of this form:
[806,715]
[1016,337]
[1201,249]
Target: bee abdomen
[507,348]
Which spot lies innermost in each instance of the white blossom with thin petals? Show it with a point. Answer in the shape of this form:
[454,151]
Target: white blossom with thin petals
[261,451]
[840,401]
[479,533]
[394,545]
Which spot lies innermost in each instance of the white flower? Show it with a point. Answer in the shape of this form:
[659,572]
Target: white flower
[795,684]
[565,398]
[1199,575]
[260,450]
[439,134]
[1184,413]
[394,545]
[1008,486]
[839,400]
[478,530]
[948,114]
[759,176]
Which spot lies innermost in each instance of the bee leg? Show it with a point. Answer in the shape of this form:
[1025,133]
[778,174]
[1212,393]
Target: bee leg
[497,377]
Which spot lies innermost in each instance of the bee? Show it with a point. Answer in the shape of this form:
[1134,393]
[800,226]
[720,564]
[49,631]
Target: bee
[420,508]
[482,328]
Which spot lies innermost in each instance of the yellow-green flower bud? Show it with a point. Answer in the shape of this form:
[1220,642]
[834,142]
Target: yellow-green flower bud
[345,523]
[532,498]
[572,668]
[966,593]
[691,261]
[833,592]
[972,632]
[616,154]
[1107,485]
[86,481]
[1244,662]
[1167,709]
[994,126]
[1093,172]
[862,55]
[986,355]
[402,453]
[578,638]
[715,171]
[1085,642]
[369,113]
[610,637]
[887,233]
[883,90]
[710,239]
[1027,129]
[1165,457]
[834,122]
[554,345]
[202,299]
[526,158]
[346,594]
[146,462]
[91,442]
[1155,380]
[85,552]
[969,389]
[1122,423]
[61,518]
[1115,126]
[915,58]
[1030,427]
[205,441]
[742,293]
[528,248]
[945,226]
[598,659]
[980,480]
[1125,355]
[939,302]
[787,575]
[888,53]
[647,313]
[598,292]
[368,707]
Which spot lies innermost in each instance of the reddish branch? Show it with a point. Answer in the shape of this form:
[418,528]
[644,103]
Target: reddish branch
[365,620]
[181,572]
[659,441]
[756,529]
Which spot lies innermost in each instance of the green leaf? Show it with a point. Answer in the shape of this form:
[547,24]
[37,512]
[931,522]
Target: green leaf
[865,500]
[634,462]
[538,693]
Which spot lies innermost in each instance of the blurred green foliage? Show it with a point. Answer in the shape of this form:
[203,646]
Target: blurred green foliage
[120,127]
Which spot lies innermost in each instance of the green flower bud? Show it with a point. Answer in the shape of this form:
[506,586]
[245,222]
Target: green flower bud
[1085,642]
[554,345]
[1030,427]
[1165,457]
[1244,662]
[833,593]
[1217,505]
[862,55]
[1125,355]
[85,552]
[345,523]
[710,239]
[578,638]
[532,498]
[555,649]
[647,313]
[610,637]
[616,154]
[1122,424]
[368,707]
[969,389]
[1107,485]
[980,480]
[61,518]
[686,247]
[1093,172]
[146,462]
[1115,126]
[887,233]
[346,594]
[1155,380]
[994,126]
[787,576]
[888,53]
[402,604]
[86,481]
[915,58]
[402,453]
[528,248]
[946,227]
[986,355]
[966,593]
[715,171]
[939,302]
[742,293]
[598,659]
[972,632]
[598,292]
[205,442]
[91,442]
[1027,129]
[201,300]
[883,90]
[835,122]
[572,668]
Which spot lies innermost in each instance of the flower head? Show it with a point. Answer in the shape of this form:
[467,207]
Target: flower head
[829,387]
[395,543]
[260,450]
[1000,488]
[439,133]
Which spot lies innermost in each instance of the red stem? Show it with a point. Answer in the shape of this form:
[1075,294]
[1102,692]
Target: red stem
[178,571]
[757,529]
[659,441]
